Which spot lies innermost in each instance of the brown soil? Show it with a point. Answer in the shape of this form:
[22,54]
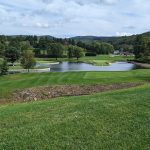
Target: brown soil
[43,93]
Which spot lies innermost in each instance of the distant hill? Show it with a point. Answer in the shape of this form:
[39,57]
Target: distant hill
[107,38]
[146,33]
[117,41]
[48,36]
[101,38]
[92,38]
[84,38]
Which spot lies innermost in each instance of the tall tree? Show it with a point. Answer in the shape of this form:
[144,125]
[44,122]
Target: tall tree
[3,67]
[71,51]
[75,51]
[28,61]
[12,54]
[2,49]
[142,47]
[78,52]
[57,50]
[25,45]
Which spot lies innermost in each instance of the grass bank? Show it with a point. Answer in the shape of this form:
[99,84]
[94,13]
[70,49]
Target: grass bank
[113,120]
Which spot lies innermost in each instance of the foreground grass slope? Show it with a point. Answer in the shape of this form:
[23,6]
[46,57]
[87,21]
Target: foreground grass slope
[10,83]
[113,120]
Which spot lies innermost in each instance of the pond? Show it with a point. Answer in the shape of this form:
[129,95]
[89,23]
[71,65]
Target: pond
[69,66]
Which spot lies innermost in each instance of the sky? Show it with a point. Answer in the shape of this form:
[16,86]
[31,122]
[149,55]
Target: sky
[68,18]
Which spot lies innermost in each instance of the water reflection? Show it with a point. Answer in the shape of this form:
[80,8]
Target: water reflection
[68,66]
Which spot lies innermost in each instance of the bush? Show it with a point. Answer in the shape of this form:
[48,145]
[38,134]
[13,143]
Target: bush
[90,54]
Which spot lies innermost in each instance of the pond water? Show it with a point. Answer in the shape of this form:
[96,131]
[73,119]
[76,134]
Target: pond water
[69,66]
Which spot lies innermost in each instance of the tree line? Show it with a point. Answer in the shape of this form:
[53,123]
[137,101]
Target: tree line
[46,46]
[142,48]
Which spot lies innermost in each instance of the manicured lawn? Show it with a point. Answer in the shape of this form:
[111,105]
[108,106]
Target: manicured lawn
[12,68]
[111,120]
[117,120]
[99,62]
[108,57]
[15,67]
[44,61]
[10,83]
[18,66]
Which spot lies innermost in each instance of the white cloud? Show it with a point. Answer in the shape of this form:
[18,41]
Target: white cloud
[37,24]
[84,2]
[74,17]
[123,34]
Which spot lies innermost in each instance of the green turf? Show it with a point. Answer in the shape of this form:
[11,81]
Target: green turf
[44,61]
[99,62]
[17,67]
[10,83]
[117,120]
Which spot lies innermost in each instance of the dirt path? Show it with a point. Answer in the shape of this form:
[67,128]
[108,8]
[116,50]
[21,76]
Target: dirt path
[43,93]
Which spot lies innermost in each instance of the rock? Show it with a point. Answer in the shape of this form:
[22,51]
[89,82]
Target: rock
[26,95]
[35,99]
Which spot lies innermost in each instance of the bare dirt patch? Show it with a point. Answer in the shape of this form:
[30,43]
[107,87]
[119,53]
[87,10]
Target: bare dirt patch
[43,93]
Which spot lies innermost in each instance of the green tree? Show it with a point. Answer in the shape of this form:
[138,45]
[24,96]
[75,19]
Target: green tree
[57,50]
[101,47]
[12,54]
[28,61]
[106,48]
[71,51]
[3,67]
[78,52]
[142,47]
[25,46]
[2,49]
[75,51]
[15,43]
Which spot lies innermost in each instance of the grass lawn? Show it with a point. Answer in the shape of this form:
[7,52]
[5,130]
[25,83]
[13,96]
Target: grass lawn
[10,83]
[20,67]
[99,62]
[44,61]
[15,67]
[117,120]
